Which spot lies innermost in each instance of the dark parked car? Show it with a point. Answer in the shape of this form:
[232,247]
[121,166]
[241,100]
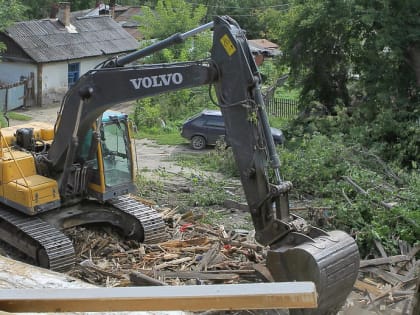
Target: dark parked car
[208,126]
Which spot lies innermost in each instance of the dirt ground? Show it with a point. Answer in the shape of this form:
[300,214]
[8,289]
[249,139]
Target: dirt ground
[154,159]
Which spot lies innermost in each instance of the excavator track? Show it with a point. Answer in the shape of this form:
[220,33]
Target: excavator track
[151,221]
[48,246]
[41,238]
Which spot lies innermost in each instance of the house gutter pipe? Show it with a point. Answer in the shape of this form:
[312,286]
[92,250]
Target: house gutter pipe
[171,40]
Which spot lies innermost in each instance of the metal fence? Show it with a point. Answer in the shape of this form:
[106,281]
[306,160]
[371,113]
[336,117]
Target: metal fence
[282,107]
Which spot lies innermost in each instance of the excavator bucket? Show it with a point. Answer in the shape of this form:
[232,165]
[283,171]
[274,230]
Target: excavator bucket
[331,261]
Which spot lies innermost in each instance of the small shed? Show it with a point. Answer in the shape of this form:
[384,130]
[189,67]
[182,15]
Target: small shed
[57,51]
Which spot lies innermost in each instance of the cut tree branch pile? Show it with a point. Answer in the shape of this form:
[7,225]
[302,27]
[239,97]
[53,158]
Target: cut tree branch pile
[199,253]
[195,254]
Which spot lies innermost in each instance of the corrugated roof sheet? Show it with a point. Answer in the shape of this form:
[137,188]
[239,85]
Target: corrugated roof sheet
[263,46]
[48,40]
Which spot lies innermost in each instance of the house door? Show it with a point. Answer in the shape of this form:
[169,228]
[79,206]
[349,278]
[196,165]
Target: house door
[73,73]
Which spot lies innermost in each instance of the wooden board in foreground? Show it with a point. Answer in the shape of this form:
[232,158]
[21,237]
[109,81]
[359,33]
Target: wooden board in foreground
[162,298]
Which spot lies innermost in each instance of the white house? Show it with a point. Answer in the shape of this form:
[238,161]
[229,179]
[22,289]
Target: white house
[58,51]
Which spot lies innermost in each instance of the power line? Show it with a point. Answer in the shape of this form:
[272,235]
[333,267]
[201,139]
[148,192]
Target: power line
[285,5]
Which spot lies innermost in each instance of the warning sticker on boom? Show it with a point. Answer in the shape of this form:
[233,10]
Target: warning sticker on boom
[228,45]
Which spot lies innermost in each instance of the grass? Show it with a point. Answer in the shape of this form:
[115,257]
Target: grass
[14,116]
[286,92]
[172,138]
[18,116]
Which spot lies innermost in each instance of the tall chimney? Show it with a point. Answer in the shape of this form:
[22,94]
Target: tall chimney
[64,13]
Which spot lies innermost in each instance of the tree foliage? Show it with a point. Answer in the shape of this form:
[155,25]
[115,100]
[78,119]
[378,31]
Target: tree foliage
[366,197]
[10,11]
[169,17]
[166,18]
[363,56]
[245,12]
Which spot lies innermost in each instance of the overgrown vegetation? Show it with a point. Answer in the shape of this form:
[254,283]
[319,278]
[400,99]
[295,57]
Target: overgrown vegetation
[354,148]
[368,198]
[165,113]
[356,64]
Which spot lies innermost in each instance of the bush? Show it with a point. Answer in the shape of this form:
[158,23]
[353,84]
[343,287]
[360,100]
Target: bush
[367,197]
[389,131]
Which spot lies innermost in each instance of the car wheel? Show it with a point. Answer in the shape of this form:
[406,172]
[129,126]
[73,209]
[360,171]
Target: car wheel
[198,142]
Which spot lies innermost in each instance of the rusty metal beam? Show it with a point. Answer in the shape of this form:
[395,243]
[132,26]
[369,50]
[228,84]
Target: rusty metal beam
[162,298]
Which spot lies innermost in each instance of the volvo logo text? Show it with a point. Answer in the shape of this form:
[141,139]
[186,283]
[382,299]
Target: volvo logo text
[157,80]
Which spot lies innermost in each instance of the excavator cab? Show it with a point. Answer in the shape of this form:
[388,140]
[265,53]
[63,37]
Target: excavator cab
[110,173]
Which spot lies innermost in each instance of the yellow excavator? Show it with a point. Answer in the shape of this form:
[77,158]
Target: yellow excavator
[81,170]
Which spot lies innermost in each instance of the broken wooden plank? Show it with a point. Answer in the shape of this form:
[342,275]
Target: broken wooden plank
[387,276]
[255,247]
[384,261]
[200,275]
[264,273]
[191,298]
[380,248]
[138,278]
[172,263]
[89,264]
[209,257]
[416,300]
[363,286]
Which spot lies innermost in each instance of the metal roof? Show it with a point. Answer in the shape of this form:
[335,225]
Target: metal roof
[48,40]
[263,46]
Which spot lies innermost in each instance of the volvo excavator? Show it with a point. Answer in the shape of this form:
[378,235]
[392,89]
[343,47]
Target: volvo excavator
[81,170]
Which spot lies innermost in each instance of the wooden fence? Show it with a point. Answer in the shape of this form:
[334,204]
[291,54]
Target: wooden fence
[12,96]
[282,107]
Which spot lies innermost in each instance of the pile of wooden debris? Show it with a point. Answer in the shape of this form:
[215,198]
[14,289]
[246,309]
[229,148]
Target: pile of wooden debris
[198,253]
[195,253]
[389,282]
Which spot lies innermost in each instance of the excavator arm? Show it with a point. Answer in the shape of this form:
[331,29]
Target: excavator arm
[100,89]
[298,251]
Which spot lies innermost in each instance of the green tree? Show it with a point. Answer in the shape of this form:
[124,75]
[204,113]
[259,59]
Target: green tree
[326,40]
[166,18]
[245,12]
[38,9]
[315,40]
[363,56]
[10,11]
[169,17]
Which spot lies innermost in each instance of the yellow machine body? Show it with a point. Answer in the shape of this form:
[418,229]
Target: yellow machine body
[20,185]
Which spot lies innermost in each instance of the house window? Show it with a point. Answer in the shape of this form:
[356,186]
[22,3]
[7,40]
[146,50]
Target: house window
[73,73]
